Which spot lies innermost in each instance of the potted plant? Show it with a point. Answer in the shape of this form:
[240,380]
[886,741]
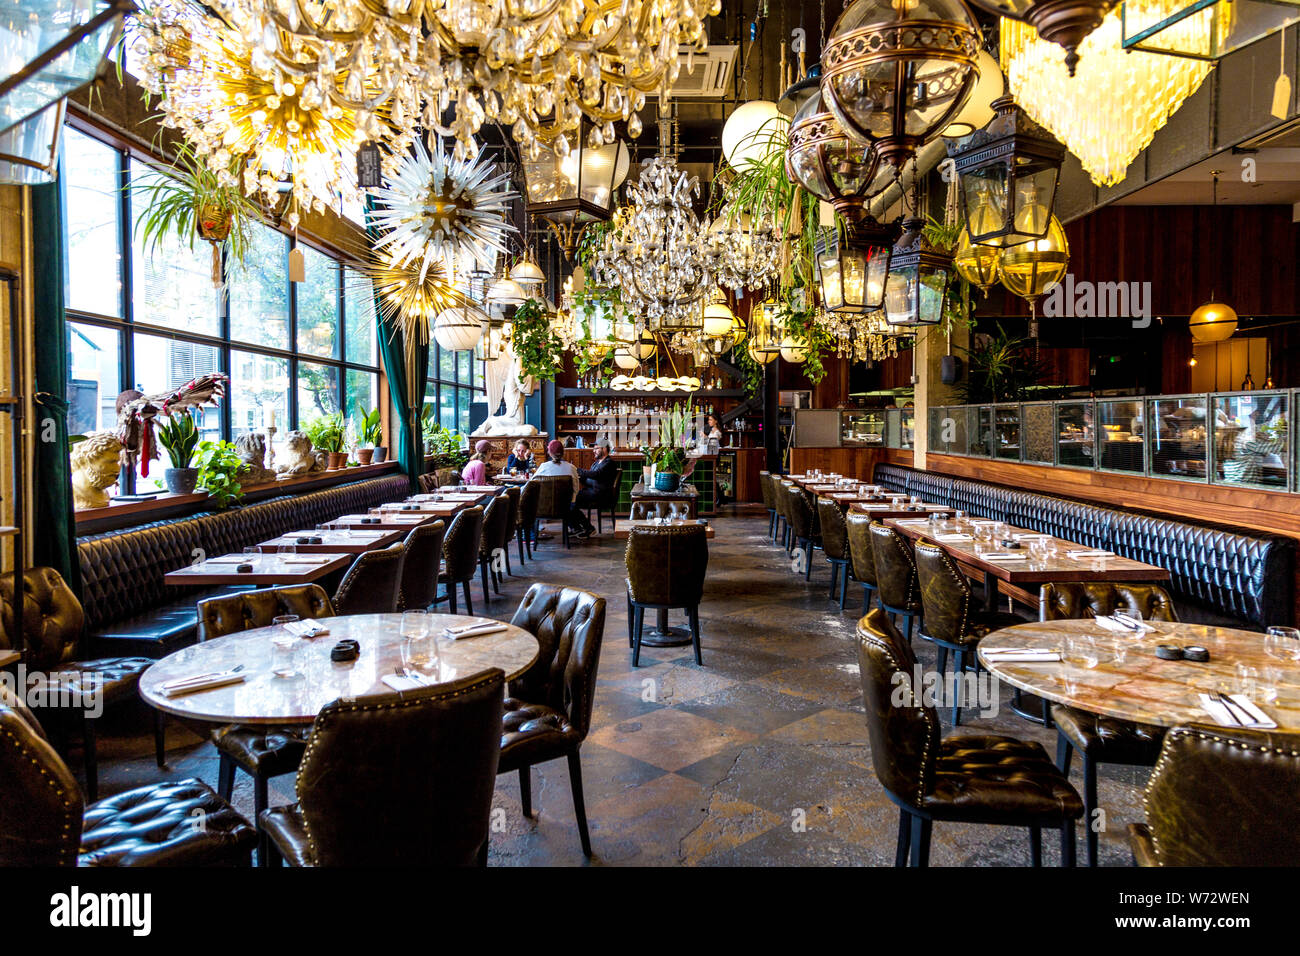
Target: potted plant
[219,469]
[326,434]
[370,431]
[670,454]
[189,199]
[179,437]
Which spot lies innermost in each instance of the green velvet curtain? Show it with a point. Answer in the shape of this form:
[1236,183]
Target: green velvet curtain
[55,537]
[406,377]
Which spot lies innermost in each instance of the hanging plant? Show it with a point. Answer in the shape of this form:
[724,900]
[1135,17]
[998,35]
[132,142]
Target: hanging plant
[540,350]
[189,200]
[799,322]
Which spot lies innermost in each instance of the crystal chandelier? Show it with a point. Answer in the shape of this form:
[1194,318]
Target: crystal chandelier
[656,252]
[745,256]
[1111,110]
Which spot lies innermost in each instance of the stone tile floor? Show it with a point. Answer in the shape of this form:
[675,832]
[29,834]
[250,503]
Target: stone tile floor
[760,757]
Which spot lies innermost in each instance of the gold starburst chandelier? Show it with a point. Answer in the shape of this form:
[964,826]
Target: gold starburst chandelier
[413,294]
[1110,111]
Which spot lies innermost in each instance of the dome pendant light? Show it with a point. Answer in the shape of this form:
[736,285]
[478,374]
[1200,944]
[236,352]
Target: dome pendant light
[1214,321]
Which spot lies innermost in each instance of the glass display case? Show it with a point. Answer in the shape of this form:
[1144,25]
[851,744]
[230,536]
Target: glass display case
[1039,432]
[1121,434]
[1075,434]
[982,435]
[1006,432]
[1250,439]
[1179,437]
[900,427]
[862,427]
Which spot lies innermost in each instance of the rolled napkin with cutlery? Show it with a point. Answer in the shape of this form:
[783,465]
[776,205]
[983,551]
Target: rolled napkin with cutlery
[190,685]
[1001,556]
[1026,655]
[473,630]
[1236,710]
[307,628]
[1131,623]
[1090,554]
[306,559]
[914,521]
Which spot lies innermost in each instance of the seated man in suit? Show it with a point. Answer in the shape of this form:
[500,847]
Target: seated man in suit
[597,485]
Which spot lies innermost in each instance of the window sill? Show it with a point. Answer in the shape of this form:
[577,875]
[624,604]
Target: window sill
[166,505]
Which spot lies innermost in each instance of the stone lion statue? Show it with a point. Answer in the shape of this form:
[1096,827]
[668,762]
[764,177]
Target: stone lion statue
[299,457]
[94,469]
[251,449]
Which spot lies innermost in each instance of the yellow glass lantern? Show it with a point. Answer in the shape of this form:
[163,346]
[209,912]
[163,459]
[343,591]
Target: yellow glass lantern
[1031,268]
[976,263]
[1213,322]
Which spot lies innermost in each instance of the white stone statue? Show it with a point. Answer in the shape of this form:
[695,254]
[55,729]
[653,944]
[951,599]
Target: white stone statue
[505,378]
[95,467]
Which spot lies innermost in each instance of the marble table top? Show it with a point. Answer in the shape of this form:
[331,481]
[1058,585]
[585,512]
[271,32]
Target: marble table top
[1141,687]
[347,541]
[684,490]
[264,698]
[267,569]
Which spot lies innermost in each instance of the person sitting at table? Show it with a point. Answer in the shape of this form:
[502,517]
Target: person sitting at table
[520,461]
[476,471]
[597,482]
[557,467]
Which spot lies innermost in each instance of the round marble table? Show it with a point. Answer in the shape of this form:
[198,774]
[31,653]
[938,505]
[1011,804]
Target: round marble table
[1144,688]
[264,698]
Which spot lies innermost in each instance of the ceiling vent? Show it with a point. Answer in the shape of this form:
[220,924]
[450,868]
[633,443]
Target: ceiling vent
[710,75]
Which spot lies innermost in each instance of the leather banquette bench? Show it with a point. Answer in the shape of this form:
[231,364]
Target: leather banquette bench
[1232,577]
[130,611]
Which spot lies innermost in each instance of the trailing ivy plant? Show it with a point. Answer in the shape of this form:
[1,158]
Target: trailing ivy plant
[219,469]
[956,306]
[540,351]
[751,370]
[799,322]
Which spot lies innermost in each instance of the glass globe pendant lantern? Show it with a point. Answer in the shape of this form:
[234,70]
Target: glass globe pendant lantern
[1031,268]
[977,264]
[918,281]
[896,72]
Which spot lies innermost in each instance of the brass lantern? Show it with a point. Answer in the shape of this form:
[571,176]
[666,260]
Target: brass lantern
[1064,22]
[851,273]
[567,187]
[1031,268]
[917,289]
[895,72]
[1008,175]
[822,159]
[975,263]
[765,331]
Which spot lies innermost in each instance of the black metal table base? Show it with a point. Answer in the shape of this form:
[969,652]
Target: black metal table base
[662,635]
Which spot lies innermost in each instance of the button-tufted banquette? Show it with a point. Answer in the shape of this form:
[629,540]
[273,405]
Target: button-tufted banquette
[129,610]
[1226,576]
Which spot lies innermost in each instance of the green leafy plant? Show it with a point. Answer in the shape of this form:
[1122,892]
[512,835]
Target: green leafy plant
[669,455]
[540,351]
[956,307]
[370,430]
[447,447]
[191,201]
[326,432]
[1002,367]
[179,436]
[799,322]
[219,469]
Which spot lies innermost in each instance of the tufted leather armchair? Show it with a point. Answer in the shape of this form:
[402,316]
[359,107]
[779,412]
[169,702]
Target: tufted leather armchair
[969,779]
[548,708]
[835,543]
[526,523]
[246,610]
[45,822]
[769,501]
[371,584]
[896,581]
[420,569]
[554,498]
[396,780]
[53,628]
[666,565]
[1221,797]
[862,555]
[427,482]
[495,536]
[1102,739]
[803,525]
[952,619]
[460,556]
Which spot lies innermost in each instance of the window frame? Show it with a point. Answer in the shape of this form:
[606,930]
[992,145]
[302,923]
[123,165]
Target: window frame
[436,382]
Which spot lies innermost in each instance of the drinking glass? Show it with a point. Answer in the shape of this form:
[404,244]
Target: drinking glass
[1269,683]
[1083,651]
[680,511]
[253,556]
[285,550]
[285,648]
[1282,643]
[415,623]
[1247,680]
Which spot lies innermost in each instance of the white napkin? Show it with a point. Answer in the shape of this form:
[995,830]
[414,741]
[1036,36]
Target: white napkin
[914,521]
[1000,556]
[878,507]
[1025,655]
[307,628]
[1022,536]
[952,537]
[398,682]
[1225,717]
[936,507]
[306,559]
[1090,554]
[233,558]
[476,630]
[1111,623]
[190,685]
[407,520]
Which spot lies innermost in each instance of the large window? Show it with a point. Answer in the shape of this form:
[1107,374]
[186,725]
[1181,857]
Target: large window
[152,319]
[455,380]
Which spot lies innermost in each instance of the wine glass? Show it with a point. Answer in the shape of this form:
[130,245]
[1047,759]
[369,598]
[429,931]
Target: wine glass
[1282,643]
[1083,651]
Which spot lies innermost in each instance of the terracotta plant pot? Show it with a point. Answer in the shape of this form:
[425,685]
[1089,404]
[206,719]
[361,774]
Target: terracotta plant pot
[337,459]
[364,455]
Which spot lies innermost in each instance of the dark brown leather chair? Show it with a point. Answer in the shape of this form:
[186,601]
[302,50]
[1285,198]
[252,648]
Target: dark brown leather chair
[666,565]
[548,707]
[495,538]
[862,555]
[896,583]
[526,524]
[44,820]
[765,482]
[953,619]
[605,502]
[53,626]
[969,779]
[460,556]
[1221,797]
[261,752]
[512,494]
[427,481]
[371,584]
[835,543]
[1102,739]
[396,780]
[420,568]
[554,499]
[803,526]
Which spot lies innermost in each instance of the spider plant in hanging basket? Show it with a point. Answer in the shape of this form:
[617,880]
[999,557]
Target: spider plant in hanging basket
[188,200]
